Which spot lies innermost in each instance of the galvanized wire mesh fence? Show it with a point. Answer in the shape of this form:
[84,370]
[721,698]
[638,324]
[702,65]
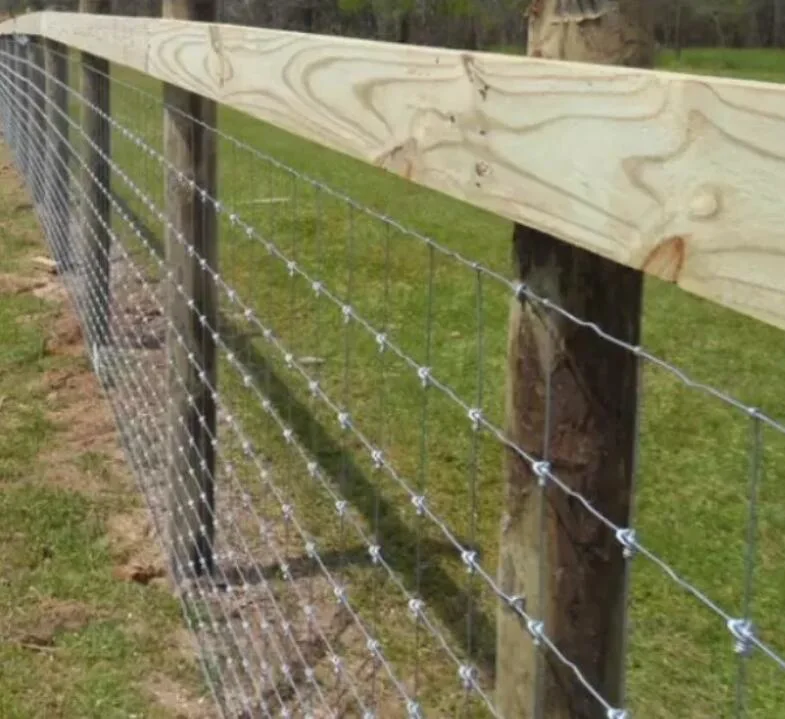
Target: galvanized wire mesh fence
[360,433]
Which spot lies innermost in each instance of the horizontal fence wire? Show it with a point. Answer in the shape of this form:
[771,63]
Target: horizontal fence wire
[359,439]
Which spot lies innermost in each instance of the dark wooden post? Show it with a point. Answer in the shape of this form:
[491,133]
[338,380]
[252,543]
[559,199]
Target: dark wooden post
[23,93]
[571,402]
[96,183]
[191,148]
[3,68]
[8,87]
[57,188]
[38,135]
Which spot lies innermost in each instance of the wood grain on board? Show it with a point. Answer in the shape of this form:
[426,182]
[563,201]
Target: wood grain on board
[678,175]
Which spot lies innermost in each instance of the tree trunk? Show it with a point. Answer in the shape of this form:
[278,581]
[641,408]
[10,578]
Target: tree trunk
[778,26]
[720,31]
[753,29]
[308,18]
[404,28]
[679,10]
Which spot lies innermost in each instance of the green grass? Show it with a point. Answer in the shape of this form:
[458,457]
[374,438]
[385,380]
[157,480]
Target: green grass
[74,641]
[755,64]
[694,456]
[55,564]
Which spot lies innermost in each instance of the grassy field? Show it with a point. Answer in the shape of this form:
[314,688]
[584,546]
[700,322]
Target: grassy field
[764,65]
[77,639]
[695,452]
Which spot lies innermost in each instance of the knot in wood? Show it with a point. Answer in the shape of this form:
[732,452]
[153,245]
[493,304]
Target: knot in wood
[705,203]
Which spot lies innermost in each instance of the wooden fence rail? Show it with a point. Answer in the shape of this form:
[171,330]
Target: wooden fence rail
[673,174]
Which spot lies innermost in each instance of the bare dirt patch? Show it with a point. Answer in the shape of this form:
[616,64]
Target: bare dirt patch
[50,290]
[11,284]
[65,337]
[89,422]
[57,381]
[133,546]
[53,617]
[87,432]
[170,696]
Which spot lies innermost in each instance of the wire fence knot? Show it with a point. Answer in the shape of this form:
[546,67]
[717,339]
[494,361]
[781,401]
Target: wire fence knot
[743,636]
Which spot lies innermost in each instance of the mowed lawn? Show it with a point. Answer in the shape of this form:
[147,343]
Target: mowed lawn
[695,452]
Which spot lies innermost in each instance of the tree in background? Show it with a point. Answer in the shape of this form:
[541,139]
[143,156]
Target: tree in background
[477,24]
[733,23]
[484,24]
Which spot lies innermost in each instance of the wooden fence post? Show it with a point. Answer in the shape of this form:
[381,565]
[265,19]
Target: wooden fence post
[38,135]
[57,189]
[20,49]
[3,59]
[96,183]
[571,402]
[8,87]
[191,149]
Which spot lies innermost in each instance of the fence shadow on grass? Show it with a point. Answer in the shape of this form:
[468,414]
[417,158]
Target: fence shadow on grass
[441,592]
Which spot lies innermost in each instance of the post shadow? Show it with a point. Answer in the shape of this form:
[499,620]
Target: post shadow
[439,590]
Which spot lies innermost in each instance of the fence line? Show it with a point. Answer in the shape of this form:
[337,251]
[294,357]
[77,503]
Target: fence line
[517,289]
[240,652]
